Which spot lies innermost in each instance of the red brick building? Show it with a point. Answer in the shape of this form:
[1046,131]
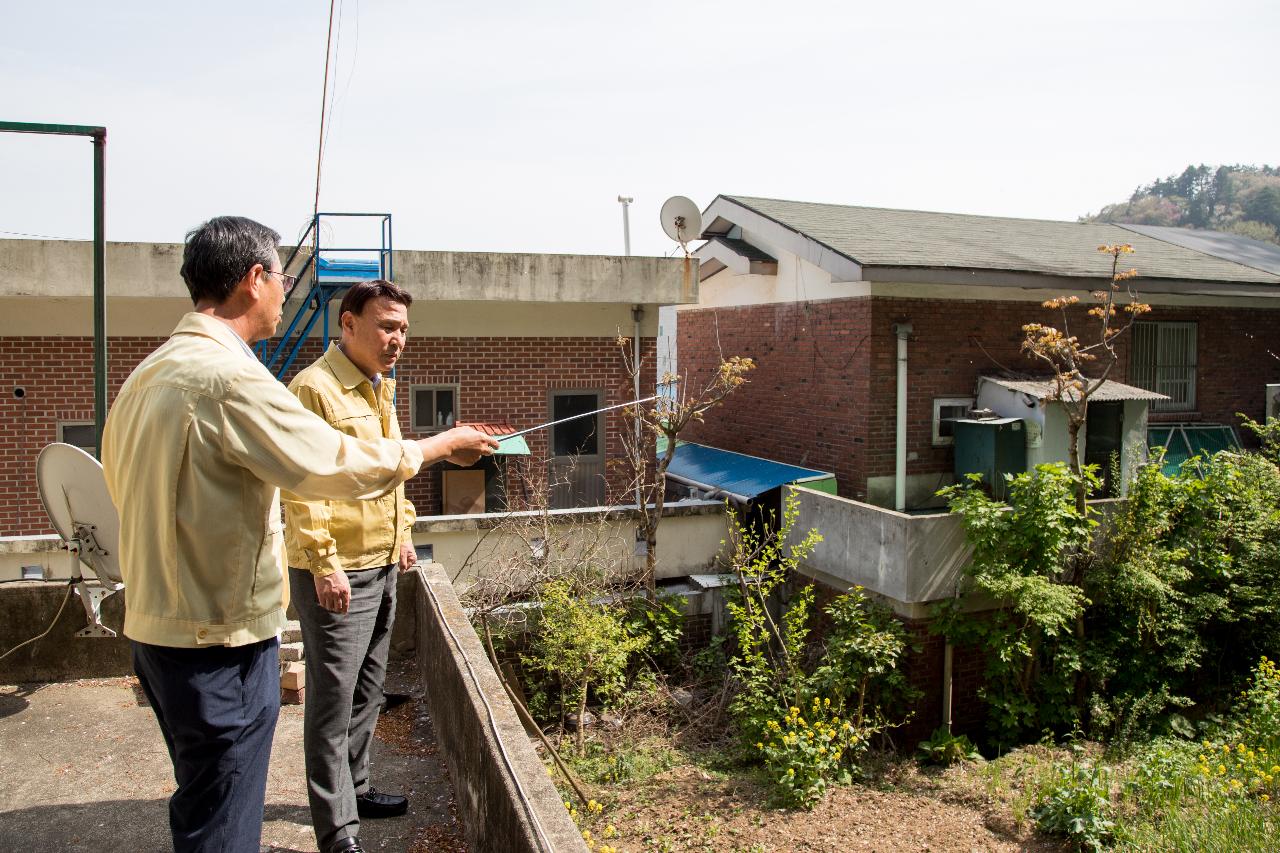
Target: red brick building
[814,293]
[820,295]
[493,338]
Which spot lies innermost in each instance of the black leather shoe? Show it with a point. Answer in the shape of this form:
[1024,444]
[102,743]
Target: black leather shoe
[350,844]
[373,803]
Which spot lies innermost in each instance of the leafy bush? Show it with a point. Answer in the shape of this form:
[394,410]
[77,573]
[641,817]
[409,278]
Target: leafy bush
[1258,710]
[1184,592]
[1218,794]
[806,706]
[1268,434]
[1176,600]
[581,646]
[1021,555]
[804,757]
[946,749]
[1077,803]
[661,623]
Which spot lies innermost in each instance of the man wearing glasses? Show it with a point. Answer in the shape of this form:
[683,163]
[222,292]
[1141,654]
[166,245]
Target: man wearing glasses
[195,450]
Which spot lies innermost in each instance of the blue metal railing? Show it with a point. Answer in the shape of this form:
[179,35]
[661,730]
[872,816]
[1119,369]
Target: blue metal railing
[279,355]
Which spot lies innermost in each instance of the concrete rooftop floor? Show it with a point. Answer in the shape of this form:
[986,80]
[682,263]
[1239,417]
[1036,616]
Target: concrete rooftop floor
[83,767]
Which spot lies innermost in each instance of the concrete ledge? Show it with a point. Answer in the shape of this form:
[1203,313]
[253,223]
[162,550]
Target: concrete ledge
[487,520]
[26,610]
[483,743]
[48,543]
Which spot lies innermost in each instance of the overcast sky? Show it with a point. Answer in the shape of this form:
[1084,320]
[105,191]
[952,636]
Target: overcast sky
[514,126]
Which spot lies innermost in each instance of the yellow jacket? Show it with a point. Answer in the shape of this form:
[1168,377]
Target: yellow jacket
[326,535]
[195,449]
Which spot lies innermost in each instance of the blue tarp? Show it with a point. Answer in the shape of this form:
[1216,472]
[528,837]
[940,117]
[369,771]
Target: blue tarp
[351,270]
[737,474]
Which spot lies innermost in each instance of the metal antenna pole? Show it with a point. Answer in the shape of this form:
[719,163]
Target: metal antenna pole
[626,224]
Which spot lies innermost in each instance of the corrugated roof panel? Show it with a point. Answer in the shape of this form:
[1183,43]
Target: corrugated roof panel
[515,446]
[1046,389]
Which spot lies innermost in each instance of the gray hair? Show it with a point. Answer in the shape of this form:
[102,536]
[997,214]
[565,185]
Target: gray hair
[219,253]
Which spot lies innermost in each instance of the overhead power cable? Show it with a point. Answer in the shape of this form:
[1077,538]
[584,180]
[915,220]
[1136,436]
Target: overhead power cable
[324,99]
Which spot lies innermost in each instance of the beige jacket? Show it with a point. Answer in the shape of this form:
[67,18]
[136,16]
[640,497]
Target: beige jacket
[325,536]
[195,450]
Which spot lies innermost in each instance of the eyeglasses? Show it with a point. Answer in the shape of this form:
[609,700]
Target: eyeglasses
[288,282]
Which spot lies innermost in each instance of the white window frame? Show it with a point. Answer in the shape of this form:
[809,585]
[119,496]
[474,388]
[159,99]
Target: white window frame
[938,404]
[1161,376]
[92,451]
[413,406]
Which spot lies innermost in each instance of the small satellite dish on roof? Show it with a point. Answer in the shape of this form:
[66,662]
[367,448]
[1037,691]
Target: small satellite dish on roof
[74,493]
[681,219]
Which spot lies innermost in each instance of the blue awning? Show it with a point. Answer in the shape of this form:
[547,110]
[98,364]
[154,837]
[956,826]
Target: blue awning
[738,475]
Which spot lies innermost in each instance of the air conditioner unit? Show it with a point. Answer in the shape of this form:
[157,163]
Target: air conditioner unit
[1273,402]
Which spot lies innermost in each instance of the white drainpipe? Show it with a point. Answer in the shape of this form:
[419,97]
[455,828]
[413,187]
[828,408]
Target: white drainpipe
[903,331]
[637,314]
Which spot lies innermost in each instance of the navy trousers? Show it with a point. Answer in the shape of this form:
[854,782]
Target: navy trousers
[217,709]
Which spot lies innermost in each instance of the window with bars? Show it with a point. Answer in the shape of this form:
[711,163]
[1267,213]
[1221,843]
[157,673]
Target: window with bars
[1163,359]
[433,407]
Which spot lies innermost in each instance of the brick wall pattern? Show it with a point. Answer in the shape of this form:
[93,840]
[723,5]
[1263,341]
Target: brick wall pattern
[824,394]
[500,378]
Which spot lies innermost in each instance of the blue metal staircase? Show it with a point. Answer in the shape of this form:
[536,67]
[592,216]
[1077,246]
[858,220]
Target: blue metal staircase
[330,277]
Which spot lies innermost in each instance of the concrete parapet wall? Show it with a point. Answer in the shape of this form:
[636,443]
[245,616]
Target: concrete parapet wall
[688,537]
[908,559]
[505,799]
[26,609]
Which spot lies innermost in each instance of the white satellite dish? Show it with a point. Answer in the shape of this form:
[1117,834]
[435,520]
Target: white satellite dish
[74,493]
[681,219]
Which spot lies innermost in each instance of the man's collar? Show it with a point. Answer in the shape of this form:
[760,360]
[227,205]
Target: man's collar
[349,376]
[195,323]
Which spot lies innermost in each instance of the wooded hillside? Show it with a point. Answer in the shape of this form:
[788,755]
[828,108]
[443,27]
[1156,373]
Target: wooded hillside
[1240,199]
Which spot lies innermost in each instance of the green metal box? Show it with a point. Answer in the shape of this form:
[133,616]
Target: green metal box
[991,447]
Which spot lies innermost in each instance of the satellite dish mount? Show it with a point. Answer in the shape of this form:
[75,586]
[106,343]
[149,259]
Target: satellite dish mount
[74,493]
[681,221]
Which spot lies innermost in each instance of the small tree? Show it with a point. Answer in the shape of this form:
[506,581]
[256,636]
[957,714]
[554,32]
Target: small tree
[1067,356]
[583,645]
[668,417]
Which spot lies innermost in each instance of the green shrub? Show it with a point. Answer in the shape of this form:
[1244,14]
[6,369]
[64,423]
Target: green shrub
[1268,434]
[661,623]
[1217,794]
[806,706]
[1076,803]
[1184,592]
[581,647]
[1022,557]
[945,749]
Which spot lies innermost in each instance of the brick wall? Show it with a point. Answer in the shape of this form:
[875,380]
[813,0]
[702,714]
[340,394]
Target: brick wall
[824,394]
[500,378]
[57,376]
[805,404]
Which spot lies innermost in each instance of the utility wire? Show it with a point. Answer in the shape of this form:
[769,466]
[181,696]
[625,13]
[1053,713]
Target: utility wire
[324,99]
[46,630]
[44,236]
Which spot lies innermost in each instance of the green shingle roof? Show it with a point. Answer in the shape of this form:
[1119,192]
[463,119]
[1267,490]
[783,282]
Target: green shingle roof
[874,236]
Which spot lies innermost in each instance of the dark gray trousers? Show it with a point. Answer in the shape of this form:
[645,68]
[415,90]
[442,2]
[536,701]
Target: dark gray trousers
[346,662]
